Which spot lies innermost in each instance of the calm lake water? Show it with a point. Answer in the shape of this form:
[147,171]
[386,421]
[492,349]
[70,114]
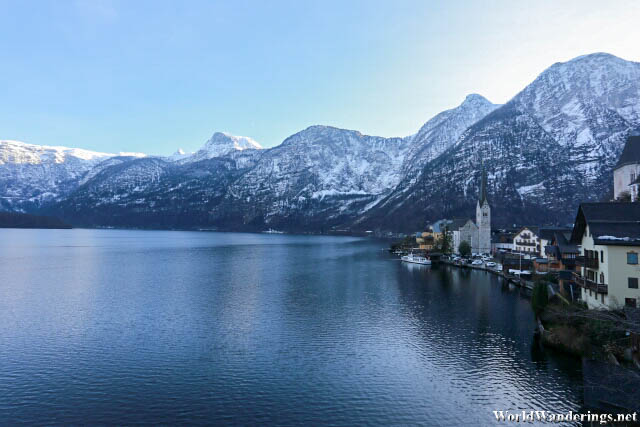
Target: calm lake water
[122,327]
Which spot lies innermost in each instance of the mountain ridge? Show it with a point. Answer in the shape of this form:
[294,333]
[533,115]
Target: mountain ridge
[552,145]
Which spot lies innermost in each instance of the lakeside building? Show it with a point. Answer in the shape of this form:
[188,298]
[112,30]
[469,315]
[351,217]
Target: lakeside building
[427,240]
[455,228]
[560,253]
[501,241]
[526,240]
[609,236]
[626,173]
[548,234]
[469,234]
[478,233]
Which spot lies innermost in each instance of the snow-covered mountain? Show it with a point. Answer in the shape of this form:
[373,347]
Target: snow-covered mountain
[221,144]
[320,169]
[442,131]
[33,174]
[553,145]
[179,155]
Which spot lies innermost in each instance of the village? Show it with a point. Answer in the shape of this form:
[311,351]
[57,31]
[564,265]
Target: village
[583,280]
[595,261]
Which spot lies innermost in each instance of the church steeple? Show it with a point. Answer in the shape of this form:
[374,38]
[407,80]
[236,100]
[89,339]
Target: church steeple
[483,188]
[483,217]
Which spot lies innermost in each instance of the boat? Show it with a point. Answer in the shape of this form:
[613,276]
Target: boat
[414,259]
[272,231]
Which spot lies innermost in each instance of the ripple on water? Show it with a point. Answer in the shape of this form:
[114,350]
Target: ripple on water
[165,327]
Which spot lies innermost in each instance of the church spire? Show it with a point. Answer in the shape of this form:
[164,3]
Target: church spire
[483,187]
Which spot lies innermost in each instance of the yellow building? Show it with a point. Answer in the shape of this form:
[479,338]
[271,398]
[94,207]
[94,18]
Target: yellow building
[428,240]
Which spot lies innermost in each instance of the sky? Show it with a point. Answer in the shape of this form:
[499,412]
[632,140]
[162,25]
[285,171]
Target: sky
[154,76]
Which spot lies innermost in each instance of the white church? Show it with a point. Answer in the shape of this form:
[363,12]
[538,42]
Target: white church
[477,234]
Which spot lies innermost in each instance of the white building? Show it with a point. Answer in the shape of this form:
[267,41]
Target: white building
[477,234]
[469,233]
[527,241]
[608,269]
[627,170]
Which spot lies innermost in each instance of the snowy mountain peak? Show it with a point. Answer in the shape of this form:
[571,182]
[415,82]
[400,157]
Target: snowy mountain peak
[221,144]
[586,101]
[443,130]
[17,152]
[180,154]
[474,98]
[32,174]
[225,139]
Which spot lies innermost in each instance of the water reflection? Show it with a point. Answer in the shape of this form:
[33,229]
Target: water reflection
[166,327]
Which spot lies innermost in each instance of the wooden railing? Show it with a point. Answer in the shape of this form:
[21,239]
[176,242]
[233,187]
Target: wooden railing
[600,288]
[587,262]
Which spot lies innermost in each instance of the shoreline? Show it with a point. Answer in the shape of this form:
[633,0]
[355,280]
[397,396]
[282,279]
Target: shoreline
[527,284]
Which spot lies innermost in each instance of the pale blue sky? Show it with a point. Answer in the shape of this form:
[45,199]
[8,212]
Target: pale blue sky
[152,76]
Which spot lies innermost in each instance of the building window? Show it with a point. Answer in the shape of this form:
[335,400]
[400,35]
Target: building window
[632,258]
[601,256]
[633,283]
[633,177]
[602,278]
[630,302]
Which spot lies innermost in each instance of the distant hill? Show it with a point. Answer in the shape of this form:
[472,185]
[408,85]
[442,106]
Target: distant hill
[21,220]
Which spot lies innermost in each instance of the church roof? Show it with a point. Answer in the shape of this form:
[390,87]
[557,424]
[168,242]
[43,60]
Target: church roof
[630,152]
[457,223]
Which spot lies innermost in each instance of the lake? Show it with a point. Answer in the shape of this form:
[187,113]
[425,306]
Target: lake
[166,327]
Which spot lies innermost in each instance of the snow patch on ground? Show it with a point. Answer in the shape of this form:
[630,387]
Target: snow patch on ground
[527,189]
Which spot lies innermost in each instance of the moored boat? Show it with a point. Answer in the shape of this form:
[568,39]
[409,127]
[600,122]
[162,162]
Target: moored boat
[272,231]
[415,259]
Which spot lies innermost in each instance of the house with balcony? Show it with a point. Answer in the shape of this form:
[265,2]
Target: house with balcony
[607,268]
[547,234]
[526,240]
[560,253]
[561,256]
[428,240]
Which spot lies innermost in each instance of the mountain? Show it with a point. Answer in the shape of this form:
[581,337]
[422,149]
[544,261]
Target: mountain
[442,131]
[221,144]
[553,145]
[319,175]
[31,175]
